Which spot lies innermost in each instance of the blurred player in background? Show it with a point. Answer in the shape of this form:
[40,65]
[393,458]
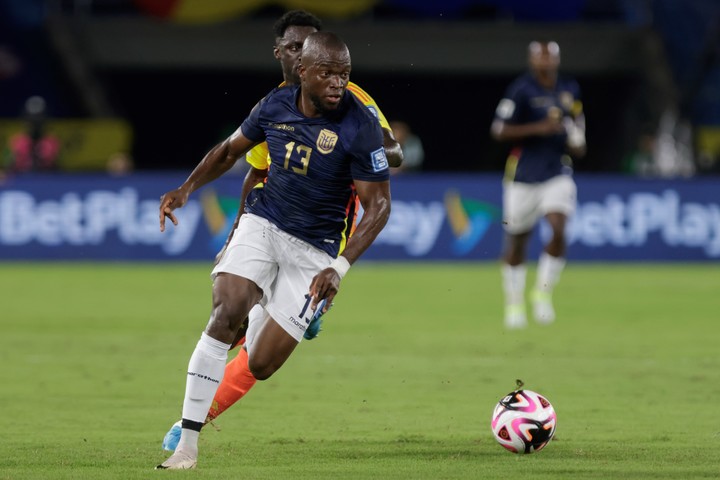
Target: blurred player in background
[541,115]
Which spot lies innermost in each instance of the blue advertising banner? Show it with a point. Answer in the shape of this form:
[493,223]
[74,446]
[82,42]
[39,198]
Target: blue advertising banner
[618,218]
[434,217]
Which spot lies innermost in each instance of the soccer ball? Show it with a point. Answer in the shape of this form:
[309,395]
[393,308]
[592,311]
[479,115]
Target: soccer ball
[523,421]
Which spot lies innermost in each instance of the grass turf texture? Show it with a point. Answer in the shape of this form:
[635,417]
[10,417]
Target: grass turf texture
[401,383]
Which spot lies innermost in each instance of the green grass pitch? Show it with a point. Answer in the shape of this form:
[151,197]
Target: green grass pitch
[400,384]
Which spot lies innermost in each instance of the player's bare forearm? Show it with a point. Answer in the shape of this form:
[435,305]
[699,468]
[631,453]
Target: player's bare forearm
[577,152]
[252,179]
[575,129]
[216,162]
[507,132]
[393,151]
[375,199]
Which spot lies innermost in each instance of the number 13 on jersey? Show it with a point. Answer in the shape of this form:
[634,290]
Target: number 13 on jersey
[304,153]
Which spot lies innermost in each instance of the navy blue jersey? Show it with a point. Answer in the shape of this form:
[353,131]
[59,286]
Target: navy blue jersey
[314,162]
[537,159]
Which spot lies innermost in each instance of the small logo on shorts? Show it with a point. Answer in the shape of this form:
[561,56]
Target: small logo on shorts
[297,324]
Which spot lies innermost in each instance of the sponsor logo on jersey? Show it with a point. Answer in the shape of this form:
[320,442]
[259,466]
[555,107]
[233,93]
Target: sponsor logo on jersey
[379,160]
[282,126]
[542,102]
[326,141]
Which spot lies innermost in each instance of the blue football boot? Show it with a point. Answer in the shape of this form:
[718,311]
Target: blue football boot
[314,327]
[172,437]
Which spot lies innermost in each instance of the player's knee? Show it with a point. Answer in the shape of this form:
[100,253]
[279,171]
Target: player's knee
[261,370]
[515,254]
[227,321]
[558,238]
[263,364]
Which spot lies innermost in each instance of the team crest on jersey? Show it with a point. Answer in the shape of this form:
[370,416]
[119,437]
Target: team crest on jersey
[326,141]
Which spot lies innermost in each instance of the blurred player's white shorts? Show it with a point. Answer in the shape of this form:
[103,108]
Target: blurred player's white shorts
[525,203]
[280,264]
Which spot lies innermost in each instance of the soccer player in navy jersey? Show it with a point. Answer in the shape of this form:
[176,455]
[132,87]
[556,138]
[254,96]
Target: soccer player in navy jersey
[541,115]
[290,30]
[284,253]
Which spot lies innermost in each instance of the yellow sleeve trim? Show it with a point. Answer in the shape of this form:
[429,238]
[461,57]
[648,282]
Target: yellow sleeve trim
[368,101]
[577,108]
[511,167]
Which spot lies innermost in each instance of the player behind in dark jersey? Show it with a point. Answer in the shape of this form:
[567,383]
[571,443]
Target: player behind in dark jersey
[541,115]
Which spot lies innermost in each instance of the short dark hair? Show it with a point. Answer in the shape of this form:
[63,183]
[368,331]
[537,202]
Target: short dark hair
[296,18]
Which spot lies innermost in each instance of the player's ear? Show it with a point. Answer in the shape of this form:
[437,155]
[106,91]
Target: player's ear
[276,52]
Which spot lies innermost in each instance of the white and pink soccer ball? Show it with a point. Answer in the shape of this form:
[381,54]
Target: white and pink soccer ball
[524,421]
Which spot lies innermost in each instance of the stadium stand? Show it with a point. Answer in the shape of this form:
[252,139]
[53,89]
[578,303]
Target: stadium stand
[147,62]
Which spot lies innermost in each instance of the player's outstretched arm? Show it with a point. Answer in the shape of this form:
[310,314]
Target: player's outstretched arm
[216,162]
[575,129]
[375,200]
[509,132]
[393,151]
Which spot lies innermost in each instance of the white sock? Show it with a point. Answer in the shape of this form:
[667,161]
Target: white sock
[188,442]
[514,284]
[205,372]
[548,272]
[256,319]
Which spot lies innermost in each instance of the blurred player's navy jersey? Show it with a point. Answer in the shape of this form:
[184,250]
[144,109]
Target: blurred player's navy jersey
[308,192]
[537,159]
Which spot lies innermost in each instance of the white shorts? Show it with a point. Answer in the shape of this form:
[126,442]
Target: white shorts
[525,203]
[282,265]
